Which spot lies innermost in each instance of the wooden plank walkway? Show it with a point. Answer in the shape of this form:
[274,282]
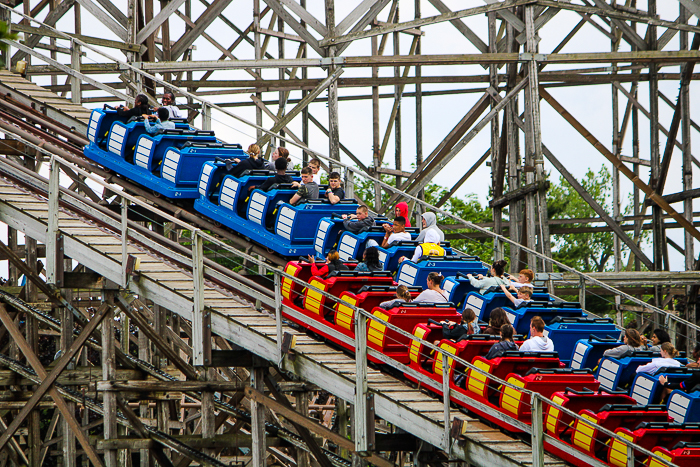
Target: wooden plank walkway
[236,320]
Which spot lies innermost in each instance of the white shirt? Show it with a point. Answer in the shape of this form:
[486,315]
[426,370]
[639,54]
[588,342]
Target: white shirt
[174,111]
[430,296]
[317,178]
[398,237]
[517,285]
[519,301]
[656,363]
[537,344]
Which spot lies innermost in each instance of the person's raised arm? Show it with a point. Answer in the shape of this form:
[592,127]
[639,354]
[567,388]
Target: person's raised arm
[508,294]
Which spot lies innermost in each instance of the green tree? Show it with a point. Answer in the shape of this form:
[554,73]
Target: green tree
[5,33]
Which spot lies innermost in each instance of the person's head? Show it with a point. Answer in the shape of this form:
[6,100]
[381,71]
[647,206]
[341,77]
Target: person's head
[434,280]
[429,219]
[306,175]
[668,350]
[280,152]
[525,293]
[333,256]
[254,150]
[526,276]
[659,337]
[362,212]
[315,165]
[468,315]
[696,352]
[140,99]
[632,337]
[399,224]
[163,114]
[403,293]
[334,180]
[536,326]
[499,267]
[431,236]
[280,164]
[371,257]
[498,318]
[168,98]
[507,332]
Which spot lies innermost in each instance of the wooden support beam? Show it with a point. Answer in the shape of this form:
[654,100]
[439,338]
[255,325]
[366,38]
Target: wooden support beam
[47,381]
[676,197]
[203,22]
[137,425]
[136,48]
[518,194]
[165,386]
[464,178]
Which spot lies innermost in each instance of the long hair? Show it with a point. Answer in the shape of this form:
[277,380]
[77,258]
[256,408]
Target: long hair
[669,349]
[372,258]
[633,337]
[500,267]
[498,318]
[254,150]
[436,278]
[403,293]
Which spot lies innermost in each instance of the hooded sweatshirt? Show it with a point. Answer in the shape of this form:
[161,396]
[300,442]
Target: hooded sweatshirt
[537,344]
[431,224]
[403,211]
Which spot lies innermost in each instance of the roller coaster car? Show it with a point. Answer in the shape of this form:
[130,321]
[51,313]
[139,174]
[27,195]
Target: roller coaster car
[410,273]
[592,441]
[520,317]
[557,423]
[646,388]
[565,332]
[462,292]
[684,407]
[352,245]
[406,316]
[649,435]
[618,373]
[588,351]
[682,454]
[389,257]
[545,381]
[224,198]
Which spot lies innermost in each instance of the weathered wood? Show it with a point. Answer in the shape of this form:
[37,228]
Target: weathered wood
[518,194]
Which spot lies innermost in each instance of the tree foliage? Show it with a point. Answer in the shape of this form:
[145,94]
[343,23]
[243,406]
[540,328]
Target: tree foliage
[5,33]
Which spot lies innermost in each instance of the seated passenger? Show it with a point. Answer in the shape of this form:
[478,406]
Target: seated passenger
[696,357]
[633,342]
[401,209]
[358,222]
[278,179]
[335,191]
[524,295]
[525,278]
[668,352]
[688,385]
[315,166]
[169,103]
[140,107]
[429,222]
[431,247]
[468,326]
[434,293]
[497,319]
[394,233]
[483,283]
[370,261]
[280,153]
[537,342]
[252,163]
[162,122]
[506,343]
[333,263]
[402,296]
[658,337]
[307,190]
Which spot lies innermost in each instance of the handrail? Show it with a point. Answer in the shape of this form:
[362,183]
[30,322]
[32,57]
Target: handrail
[468,224]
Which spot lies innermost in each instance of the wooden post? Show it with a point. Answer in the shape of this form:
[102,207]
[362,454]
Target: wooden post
[206,117]
[302,403]
[512,135]
[496,154]
[201,327]
[419,95]
[52,221]
[144,411]
[207,411]
[125,240]
[333,133]
[305,110]
[582,292]
[447,445]
[537,432]
[531,133]
[257,422]
[343,417]
[375,127]
[349,183]
[67,325]
[360,405]
[258,56]
[75,88]
[109,373]
[617,151]
[398,91]
[278,317]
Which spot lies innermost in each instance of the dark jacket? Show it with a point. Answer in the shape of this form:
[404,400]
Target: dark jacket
[133,112]
[493,331]
[357,226]
[453,332]
[687,385]
[276,180]
[499,348]
[247,164]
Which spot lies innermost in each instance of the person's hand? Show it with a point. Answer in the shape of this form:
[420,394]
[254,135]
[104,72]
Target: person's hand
[480,276]
[503,287]
[663,380]
[469,276]
[295,184]
[388,228]
[237,160]
[345,216]
[644,340]
[311,259]
[401,259]
[251,188]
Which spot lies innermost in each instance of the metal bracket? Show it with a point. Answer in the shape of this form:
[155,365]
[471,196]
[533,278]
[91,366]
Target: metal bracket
[527,56]
[327,61]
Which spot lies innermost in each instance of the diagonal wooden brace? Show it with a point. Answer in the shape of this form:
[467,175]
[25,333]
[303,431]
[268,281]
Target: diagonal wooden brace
[49,379]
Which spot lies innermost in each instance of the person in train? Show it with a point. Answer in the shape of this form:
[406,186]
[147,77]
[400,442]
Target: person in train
[632,342]
[162,122]
[430,247]
[402,296]
[497,319]
[307,190]
[433,293]
[358,222]
[333,262]
[315,166]
[393,233]
[168,101]
[251,163]
[335,191]
[524,296]
[688,385]
[696,357]
[658,337]
[504,345]
[370,261]
[668,359]
[468,326]
[429,222]
[401,209]
[537,342]
[483,283]
[280,178]
[525,278]
[140,107]
[280,153]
